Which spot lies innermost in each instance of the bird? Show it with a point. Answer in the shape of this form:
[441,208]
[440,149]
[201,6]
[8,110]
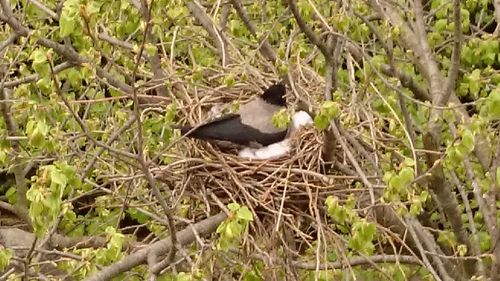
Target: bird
[276,150]
[250,126]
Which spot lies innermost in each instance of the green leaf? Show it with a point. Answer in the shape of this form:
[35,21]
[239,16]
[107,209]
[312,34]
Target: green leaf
[38,57]
[331,109]
[67,25]
[5,256]
[341,214]
[229,80]
[321,122]
[37,131]
[177,12]
[69,18]
[468,55]
[447,238]
[441,24]
[484,241]
[362,237]
[170,113]
[233,206]
[75,78]
[493,104]
[468,140]
[409,162]
[222,227]
[281,119]
[407,175]
[11,195]
[34,195]
[40,62]
[244,214]
[233,229]
[150,49]
[327,112]
[94,8]
[462,250]
[306,10]
[474,82]
[3,156]
[58,177]
[45,84]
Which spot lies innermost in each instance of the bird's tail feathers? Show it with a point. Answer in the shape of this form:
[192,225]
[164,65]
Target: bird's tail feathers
[185,129]
[193,132]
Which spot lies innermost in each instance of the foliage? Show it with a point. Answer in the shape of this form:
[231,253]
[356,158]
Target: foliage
[233,228]
[46,194]
[5,256]
[70,109]
[327,112]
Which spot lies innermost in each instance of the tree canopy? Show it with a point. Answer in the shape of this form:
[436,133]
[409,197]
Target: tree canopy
[399,177]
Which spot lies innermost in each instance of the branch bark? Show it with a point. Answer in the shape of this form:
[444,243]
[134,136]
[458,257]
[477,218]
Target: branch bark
[322,46]
[184,237]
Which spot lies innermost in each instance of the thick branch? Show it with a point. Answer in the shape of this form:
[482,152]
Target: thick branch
[309,32]
[184,237]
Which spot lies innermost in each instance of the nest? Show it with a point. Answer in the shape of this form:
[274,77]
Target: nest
[290,190]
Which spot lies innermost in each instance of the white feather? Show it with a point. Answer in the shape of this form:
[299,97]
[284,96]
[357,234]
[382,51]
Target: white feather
[299,120]
[279,149]
[272,151]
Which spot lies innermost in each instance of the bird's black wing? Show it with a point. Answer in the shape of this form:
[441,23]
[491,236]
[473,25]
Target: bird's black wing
[230,128]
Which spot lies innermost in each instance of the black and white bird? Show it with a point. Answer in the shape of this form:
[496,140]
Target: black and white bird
[279,149]
[250,126]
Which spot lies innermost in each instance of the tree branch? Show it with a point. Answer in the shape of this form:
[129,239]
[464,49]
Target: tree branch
[455,57]
[356,261]
[418,233]
[7,42]
[496,4]
[266,49]
[140,143]
[407,81]
[184,237]
[218,36]
[154,60]
[327,53]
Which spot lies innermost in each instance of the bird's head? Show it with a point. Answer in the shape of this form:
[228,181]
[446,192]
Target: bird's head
[275,95]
